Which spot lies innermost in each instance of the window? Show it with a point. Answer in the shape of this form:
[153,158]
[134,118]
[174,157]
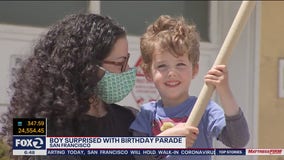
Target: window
[38,13]
[134,15]
[137,15]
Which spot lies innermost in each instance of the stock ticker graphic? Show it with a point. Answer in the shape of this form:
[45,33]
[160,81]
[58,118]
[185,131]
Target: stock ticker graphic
[29,136]
[29,126]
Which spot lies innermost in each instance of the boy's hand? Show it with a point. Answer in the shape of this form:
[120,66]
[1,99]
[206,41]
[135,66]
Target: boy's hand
[218,76]
[191,136]
[181,129]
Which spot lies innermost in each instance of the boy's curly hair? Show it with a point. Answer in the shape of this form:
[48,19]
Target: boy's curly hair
[170,34]
[58,78]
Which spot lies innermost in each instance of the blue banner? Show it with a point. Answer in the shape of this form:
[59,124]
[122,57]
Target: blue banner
[146,151]
[29,142]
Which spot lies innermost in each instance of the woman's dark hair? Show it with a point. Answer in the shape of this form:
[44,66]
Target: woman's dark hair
[58,78]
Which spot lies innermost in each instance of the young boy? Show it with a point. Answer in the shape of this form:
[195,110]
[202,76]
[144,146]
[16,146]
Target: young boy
[170,52]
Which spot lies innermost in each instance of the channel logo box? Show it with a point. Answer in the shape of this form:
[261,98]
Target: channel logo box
[29,142]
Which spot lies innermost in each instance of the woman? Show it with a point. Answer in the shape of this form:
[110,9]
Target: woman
[73,78]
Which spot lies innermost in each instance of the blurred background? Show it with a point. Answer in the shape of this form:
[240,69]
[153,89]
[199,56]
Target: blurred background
[256,66]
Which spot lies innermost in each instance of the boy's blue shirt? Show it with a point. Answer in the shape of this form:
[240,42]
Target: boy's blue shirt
[152,115]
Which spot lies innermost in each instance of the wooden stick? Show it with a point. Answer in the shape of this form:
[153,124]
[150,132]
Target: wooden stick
[222,58]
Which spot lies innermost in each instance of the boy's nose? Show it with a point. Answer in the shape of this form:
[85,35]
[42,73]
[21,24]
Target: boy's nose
[172,72]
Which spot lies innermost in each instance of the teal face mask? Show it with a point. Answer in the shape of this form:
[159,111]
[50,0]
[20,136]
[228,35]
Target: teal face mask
[113,87]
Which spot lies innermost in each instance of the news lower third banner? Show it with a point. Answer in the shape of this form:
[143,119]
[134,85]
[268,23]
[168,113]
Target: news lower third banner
[40,145]
[30,138]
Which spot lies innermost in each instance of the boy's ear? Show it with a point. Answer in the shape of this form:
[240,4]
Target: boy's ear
[195,70]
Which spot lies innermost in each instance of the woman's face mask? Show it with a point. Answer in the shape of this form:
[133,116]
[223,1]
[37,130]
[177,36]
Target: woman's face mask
[113,87]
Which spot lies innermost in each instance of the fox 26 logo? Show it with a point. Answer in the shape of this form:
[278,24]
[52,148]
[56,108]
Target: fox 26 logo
[29,142]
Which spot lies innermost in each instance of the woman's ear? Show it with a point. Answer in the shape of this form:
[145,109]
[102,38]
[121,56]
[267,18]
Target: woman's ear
[147,75]
[195,70]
